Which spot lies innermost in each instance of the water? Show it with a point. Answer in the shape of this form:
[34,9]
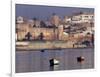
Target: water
[35,61]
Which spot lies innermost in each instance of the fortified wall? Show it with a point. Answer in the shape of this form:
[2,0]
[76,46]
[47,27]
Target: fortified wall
[48,33]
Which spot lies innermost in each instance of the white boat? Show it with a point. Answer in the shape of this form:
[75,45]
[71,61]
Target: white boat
[54,62]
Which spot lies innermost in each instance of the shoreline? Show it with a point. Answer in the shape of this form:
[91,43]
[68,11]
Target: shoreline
[52,49]
[55,45]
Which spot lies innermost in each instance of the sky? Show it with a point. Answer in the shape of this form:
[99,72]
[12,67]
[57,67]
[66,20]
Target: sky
[42,12]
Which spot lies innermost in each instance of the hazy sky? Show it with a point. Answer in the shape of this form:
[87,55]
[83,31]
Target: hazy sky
[44,12]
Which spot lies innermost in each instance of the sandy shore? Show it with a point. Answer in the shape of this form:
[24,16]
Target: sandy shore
[45,45]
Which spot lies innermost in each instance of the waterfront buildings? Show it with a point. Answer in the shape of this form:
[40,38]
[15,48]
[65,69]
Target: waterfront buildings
[83,18]
[70,28]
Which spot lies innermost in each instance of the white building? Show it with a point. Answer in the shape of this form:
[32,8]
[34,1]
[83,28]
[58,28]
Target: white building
[83,18]
[20,20]
[67,19]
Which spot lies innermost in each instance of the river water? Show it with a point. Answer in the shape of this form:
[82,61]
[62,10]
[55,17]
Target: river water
[36,61]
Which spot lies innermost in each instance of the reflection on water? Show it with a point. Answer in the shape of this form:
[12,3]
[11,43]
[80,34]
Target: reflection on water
[35,61]
[55,67]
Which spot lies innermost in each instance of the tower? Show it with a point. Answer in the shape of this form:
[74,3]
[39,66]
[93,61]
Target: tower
[60,32]
[55,20]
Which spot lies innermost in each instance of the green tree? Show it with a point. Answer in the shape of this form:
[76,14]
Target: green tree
[41,36]
[28,36]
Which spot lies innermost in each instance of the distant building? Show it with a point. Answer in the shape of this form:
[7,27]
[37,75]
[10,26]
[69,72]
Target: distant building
[31,22]
[67,19]
[34,22]
[83,18]
[76,26]
[48,33]
[66,22]
[20,20]
[22,30]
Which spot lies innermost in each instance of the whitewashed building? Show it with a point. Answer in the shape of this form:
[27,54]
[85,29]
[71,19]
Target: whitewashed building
[83,18]
[67,19]
[20,20]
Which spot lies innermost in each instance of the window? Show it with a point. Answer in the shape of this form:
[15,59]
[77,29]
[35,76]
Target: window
[86,16]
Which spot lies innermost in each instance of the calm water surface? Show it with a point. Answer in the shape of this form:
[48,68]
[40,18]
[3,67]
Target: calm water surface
[35,61]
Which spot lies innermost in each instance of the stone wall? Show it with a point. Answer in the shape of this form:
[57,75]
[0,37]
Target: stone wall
[48,33]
